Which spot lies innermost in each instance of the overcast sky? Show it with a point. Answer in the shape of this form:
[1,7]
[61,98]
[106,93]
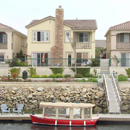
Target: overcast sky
[18,13]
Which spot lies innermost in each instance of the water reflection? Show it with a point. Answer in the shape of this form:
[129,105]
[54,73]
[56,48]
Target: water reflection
[40,127]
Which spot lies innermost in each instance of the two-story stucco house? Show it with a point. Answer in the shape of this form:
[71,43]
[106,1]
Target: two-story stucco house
[118,43]
[11,42]
[48,41]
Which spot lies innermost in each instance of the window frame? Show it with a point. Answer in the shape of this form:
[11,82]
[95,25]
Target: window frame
[124,38]
[84,37]
[35,32]
[66,38]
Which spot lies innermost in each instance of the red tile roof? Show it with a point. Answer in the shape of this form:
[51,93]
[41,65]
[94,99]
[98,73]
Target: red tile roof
[5,27]
[100,43]
[82,24]
[2,26]
[122,26]
[76,24]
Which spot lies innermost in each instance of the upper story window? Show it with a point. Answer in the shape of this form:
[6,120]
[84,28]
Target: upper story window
[83,37]
[34,36]
[3,38]
[41,36]
[67,36]
[124,37]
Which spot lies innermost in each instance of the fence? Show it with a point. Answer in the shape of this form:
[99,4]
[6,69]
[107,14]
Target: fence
[122,62]
[54,62]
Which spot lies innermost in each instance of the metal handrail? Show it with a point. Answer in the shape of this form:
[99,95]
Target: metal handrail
[104,78]
[119,99]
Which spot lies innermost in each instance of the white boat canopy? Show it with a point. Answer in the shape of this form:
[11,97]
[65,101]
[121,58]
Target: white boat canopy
[66,105]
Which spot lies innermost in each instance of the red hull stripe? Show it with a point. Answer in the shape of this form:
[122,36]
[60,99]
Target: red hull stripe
[62,122]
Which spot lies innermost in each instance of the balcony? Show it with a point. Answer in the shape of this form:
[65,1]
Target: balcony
[3,45]
[83,45]
[123,46]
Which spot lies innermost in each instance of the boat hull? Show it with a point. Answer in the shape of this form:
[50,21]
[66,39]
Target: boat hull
[63,122]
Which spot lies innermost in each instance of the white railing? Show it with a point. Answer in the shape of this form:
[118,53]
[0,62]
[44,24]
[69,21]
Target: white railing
[83,45]
[116,89]
[105,83]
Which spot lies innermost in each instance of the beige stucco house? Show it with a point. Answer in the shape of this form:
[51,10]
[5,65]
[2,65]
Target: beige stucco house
[48,42]
[11,42]
[118,43]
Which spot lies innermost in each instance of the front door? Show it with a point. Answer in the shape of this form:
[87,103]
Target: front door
[69,59]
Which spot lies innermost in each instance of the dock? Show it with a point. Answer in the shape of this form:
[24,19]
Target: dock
[102,117]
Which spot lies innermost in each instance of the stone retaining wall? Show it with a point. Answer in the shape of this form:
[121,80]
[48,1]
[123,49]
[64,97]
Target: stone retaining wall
[32,94]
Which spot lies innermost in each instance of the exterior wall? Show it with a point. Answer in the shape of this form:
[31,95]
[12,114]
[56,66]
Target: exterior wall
[8,52]
[16,40]
[48,25]
[119,70]
[19,43]
[111,45]
[46,46]
[108,45]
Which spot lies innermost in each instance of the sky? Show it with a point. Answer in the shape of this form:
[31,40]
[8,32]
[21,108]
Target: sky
[107,13]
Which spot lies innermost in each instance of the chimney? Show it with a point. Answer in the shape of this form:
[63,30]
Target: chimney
[59,19]
[57,49]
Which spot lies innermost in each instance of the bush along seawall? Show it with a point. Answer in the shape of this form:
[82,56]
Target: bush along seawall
[31,94]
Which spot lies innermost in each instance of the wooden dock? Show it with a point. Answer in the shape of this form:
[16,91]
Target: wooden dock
[102,117]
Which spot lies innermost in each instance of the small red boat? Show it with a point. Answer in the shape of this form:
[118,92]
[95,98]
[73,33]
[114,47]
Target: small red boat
[63,119]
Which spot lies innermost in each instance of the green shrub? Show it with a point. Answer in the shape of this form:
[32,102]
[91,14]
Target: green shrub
[89,75]
[95,72]
[78,76]
[95,62]
[92,80]
[59,75]
[95,76]
[44,76]
[16,71]
[128,72]
[67,76]
[122,77]
[19,63]
[52,76]
[83,71]
[31,71]
[35,76]
[57,70]
[83,80]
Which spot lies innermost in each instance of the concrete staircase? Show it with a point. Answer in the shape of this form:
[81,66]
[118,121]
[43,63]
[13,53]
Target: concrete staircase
[114,105]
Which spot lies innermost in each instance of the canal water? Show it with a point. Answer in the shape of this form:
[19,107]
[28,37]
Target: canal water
[30,126]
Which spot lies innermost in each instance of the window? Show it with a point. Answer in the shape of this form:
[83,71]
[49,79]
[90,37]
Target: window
[1,56]
[82,58]
[47,36]
[124,37]
[40,59]
[67,34]
[3,38]
[83,37]
[42,36]
[34,36]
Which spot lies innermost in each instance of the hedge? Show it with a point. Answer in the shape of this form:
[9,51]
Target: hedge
[83,71]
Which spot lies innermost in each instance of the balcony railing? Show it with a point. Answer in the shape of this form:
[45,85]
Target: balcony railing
[3,45]
[83,45]
[123,46]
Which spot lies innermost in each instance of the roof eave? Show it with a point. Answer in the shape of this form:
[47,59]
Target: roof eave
[45,19]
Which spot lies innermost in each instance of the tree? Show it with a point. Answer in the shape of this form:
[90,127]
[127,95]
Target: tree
[99,52]
[20,54]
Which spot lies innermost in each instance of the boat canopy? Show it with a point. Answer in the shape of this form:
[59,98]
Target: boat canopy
[66,105]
